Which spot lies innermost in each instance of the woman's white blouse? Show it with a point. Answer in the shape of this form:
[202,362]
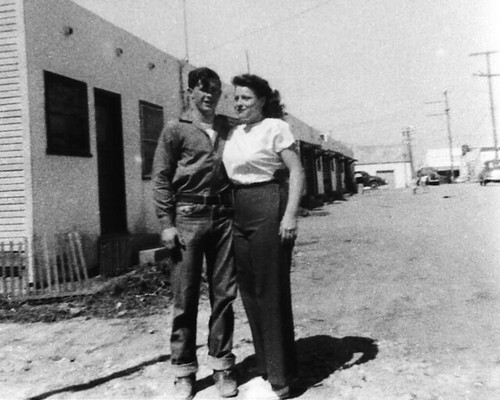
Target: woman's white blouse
[252,152]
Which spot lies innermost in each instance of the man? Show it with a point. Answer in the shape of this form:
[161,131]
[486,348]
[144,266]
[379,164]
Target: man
[194,205]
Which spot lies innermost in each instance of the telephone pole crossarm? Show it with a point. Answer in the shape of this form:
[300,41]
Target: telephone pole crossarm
[483,53]
[483,75]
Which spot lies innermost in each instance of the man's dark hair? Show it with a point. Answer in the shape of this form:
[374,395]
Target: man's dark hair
[202,75]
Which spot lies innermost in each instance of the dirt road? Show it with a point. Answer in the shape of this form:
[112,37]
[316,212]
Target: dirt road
[396,296]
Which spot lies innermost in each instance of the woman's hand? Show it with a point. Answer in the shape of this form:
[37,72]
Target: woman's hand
[288,229]
[288,226]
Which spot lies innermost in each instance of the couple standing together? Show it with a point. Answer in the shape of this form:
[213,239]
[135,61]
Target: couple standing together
[231,195]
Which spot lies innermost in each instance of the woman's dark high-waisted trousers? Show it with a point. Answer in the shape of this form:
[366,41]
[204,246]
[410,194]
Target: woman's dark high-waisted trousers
[263,275]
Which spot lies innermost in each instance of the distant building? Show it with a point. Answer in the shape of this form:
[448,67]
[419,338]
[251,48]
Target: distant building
[441,161]
[336,162]
[389,162]
[472,161]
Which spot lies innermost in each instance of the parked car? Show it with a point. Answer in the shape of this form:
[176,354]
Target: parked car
[490,173]
[371,181]
[430,175]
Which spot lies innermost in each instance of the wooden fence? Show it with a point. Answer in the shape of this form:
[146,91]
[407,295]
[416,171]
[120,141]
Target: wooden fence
[59,267]
[13,272]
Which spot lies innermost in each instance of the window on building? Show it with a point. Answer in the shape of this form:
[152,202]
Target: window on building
[151,125]
[67,116]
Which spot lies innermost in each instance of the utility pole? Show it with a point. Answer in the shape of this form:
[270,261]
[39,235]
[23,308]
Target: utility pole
[448,126]
[489,75]
[248,61]
[407,136]
[186,42]
[450,140]
[183,64]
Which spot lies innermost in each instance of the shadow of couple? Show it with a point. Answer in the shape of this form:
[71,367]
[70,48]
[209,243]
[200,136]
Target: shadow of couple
[318,357]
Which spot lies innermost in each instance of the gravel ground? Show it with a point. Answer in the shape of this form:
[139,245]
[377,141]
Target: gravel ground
[396,296]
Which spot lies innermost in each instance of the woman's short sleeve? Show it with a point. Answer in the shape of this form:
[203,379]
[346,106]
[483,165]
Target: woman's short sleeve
[283,137]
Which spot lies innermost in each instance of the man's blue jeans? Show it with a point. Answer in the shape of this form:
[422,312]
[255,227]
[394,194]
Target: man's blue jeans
[204,230]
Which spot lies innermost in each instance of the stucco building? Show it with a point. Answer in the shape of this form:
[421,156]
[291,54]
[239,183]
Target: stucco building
[82,103]
[473,159]
[389,162]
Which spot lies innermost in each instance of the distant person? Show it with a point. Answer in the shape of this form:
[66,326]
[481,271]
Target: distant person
[259,155]
[414,185]
[422,182]
[194,204]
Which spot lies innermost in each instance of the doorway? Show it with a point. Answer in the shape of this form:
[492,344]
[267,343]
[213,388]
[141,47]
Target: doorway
[110,164]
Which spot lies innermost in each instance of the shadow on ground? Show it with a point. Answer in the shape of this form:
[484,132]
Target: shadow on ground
[318,357]
[103,379]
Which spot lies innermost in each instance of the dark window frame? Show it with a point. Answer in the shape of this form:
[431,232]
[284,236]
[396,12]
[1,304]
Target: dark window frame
[66,116]
[148,138]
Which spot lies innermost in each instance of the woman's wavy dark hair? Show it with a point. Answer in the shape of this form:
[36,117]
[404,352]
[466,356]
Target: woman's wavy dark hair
[272,107]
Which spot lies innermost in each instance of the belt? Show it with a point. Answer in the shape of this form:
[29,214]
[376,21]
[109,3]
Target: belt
[255,184]
[225,198]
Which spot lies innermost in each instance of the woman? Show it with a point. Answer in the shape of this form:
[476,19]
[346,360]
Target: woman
[258,156]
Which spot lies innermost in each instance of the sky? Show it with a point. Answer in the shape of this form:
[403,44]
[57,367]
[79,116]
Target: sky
[359,70]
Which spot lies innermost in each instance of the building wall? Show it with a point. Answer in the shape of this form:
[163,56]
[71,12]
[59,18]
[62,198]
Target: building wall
[15,200]
[319,174]
[440,158]
[401,172]
[486,155]
[334,169]
[66,188]
[473,162]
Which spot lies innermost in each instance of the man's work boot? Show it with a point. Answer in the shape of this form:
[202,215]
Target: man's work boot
[282,392]
[184,387]
[225,382]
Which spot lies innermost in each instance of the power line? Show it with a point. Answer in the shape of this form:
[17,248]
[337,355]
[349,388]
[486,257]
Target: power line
[266,27]
[388,116]
[479,125]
